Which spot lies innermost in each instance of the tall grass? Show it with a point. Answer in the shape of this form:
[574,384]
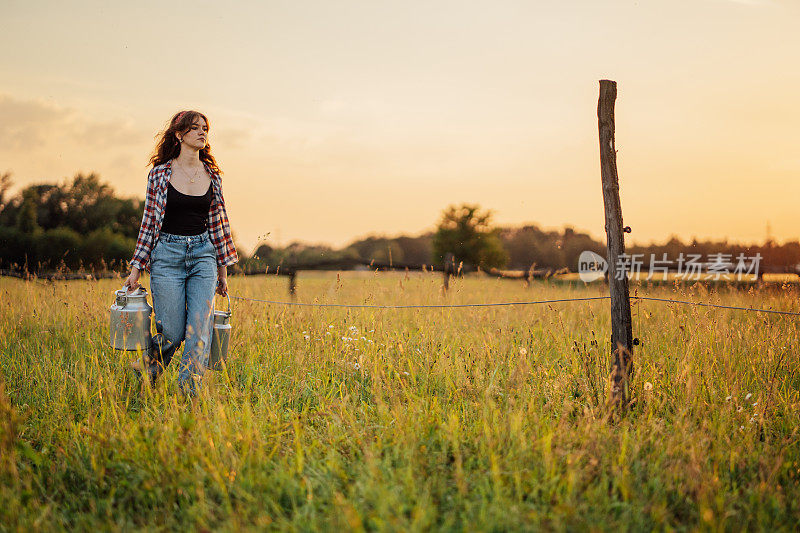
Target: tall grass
[455,419]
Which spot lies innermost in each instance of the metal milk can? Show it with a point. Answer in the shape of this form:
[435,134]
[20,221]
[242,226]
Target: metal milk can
[220,338]
[130,320]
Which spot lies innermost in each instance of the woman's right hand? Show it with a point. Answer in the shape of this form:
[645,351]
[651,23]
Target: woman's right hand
[132,283]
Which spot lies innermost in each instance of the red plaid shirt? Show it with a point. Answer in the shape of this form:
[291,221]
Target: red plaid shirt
[155,204]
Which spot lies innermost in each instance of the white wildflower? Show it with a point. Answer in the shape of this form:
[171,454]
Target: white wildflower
[406,373]
[356,366]
[306,337]
[523,351]
[748,396]
[353,330]
[648,385]
[728,398]
[755,404]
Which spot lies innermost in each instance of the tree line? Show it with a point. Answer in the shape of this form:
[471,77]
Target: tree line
[81,224]
[467,232]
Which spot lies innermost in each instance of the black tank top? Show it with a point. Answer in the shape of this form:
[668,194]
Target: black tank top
[186,214]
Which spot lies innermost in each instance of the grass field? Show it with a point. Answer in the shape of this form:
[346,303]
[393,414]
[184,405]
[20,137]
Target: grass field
[458,419]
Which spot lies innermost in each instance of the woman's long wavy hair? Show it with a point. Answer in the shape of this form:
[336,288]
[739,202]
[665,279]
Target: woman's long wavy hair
[169,147]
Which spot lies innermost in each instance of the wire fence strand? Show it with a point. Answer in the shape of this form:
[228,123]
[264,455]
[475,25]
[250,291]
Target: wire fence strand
[718,306]
[506,304]
[423,306]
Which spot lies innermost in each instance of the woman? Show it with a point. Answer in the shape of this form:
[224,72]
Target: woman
[185,243]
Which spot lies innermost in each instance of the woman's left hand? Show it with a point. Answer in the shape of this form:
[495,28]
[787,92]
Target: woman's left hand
[222,281]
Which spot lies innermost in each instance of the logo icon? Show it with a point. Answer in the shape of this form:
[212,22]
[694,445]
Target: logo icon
[591,266]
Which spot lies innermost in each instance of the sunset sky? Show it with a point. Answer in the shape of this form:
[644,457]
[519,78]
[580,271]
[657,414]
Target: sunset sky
[333,120]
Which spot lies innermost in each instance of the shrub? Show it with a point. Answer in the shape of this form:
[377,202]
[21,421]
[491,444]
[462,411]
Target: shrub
[104,248]
[59,247]
[17,249]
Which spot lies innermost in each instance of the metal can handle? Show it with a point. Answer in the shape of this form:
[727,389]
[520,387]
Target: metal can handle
[229,303]
[122,295]
[139,290]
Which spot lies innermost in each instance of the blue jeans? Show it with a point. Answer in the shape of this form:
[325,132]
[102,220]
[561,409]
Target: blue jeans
[183,278]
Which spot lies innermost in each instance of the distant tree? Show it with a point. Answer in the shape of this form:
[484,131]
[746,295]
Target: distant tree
[416,250]
[77,223]
[83,204]
[264,251]
[5,185]
[467,233]
[380,249]
[17,249]
[103,248]
[262,257]
[401,249]
[27,217]
[295,253]
[59,248]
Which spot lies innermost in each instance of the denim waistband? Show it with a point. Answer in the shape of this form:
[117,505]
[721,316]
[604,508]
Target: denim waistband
[188,239]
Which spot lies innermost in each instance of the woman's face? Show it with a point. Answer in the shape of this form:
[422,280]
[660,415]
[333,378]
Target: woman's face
[197,136]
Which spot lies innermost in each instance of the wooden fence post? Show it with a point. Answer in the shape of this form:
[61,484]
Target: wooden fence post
[530,275]
[293,283]
[449,261]
[621,329]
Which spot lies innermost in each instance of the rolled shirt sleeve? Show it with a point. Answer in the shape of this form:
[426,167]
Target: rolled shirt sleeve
[147,231]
